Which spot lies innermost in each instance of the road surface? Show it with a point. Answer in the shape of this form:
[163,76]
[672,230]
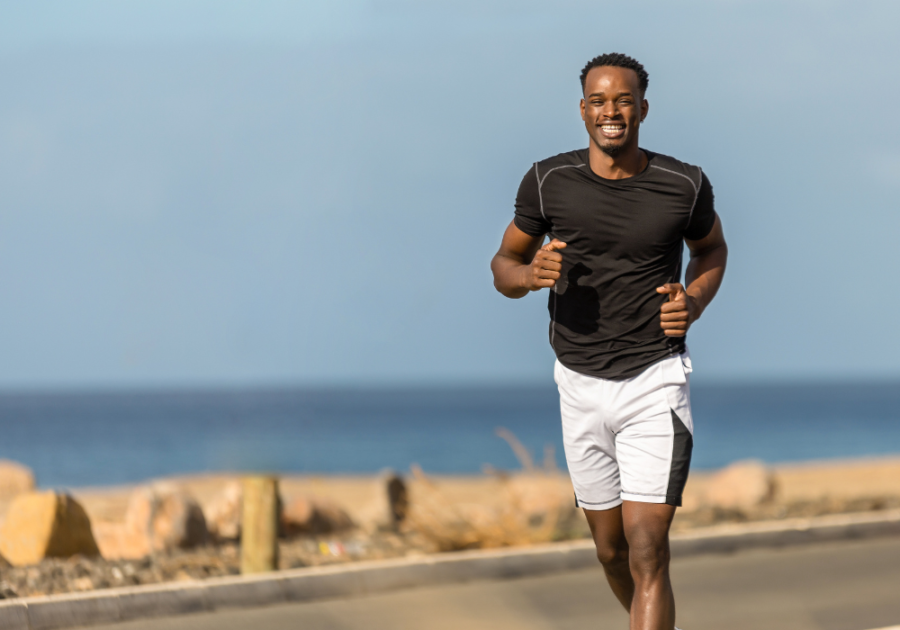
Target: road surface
[835,586]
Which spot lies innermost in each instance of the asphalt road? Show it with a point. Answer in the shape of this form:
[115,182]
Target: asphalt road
[835,586]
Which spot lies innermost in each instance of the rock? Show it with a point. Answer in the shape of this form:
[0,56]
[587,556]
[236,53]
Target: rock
[117,542]
[305,515]
[693,497]
[178,523]
[167,517]
[15,479]
[525,508]
[82,584]
[7,591]
[223,514]
[740,486]
[158,518]
[45,525]
[388,506]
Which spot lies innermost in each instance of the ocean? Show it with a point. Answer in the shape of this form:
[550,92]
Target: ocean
[81,439]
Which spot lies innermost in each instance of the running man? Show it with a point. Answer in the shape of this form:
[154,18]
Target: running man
[617,217]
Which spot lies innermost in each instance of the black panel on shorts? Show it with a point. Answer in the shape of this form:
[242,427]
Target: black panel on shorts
[682,447]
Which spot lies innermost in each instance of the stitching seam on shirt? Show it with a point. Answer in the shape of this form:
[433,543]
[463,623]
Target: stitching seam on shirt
[696,195]
[541,181]
[693,185]
[537,178]
[556,168]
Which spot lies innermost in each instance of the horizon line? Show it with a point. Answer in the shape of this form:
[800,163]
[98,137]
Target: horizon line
[401,385]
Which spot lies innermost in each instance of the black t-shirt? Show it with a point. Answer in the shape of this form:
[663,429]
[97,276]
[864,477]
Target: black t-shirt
[624,239]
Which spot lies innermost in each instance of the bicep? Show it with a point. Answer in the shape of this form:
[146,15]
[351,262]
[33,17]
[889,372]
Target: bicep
[713,240]
[519,245]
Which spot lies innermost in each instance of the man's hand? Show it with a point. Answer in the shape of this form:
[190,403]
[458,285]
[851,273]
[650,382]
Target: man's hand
[545,267]
[521,265]
[682,310]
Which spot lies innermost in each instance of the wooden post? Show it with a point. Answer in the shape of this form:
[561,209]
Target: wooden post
[259,525]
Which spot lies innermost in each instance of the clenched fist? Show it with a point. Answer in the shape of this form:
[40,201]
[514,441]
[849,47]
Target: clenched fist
[545,267]
[677,315]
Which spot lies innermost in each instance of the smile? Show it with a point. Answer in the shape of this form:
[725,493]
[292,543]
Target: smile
[612,130]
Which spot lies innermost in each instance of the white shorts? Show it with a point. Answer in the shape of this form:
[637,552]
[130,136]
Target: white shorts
[628,440]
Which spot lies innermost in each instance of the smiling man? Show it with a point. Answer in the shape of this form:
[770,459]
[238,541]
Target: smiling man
[617,217]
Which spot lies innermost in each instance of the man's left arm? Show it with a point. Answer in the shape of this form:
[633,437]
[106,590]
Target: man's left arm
[703,277]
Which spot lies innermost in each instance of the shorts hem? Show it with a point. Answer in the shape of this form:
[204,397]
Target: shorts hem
[645,498]
[607,505]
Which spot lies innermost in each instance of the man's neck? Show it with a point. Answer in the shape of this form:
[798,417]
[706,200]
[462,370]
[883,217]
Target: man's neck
[627,164]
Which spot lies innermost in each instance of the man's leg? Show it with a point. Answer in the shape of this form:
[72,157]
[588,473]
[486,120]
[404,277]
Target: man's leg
[646,528]
[612,551]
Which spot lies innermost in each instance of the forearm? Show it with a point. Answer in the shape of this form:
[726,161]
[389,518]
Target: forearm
[522,265]
[704,275]
[510,276]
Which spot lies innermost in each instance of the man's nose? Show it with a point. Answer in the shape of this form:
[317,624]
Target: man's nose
[609,109]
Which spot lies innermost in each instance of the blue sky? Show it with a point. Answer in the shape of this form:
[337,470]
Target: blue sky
[247,193]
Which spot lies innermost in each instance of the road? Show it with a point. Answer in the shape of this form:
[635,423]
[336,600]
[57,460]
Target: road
[835,586]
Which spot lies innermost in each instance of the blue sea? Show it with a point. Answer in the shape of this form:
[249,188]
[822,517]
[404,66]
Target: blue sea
[79,439]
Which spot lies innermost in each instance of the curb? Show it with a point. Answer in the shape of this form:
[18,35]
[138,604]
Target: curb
[786,532]
[298,585]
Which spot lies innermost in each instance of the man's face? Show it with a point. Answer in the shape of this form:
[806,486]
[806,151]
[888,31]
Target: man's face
[612,108]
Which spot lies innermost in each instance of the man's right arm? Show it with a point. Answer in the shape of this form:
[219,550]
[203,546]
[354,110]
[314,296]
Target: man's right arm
[522,265]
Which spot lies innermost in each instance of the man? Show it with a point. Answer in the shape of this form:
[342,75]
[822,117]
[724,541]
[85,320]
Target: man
[617,217]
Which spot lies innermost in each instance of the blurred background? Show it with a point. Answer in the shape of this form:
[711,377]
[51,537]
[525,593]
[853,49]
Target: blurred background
[256,235]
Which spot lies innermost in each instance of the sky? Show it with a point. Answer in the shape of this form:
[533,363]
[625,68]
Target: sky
[222,193]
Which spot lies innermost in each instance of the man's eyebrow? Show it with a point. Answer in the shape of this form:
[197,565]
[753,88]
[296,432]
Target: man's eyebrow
[603,94]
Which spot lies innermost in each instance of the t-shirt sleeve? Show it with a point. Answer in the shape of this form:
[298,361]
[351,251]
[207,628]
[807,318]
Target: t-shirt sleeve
[704,215]
[529,217]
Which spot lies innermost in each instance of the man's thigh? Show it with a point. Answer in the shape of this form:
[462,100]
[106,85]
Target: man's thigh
[608,532]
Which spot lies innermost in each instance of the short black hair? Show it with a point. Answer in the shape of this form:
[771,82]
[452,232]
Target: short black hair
[617,60]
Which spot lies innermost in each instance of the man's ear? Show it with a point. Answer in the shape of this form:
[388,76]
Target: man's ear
[582,108]
[645,107]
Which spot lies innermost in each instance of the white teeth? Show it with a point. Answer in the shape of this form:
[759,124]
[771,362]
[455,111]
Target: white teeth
[612,127]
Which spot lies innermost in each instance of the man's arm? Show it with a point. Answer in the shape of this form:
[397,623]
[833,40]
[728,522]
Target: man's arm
[522,265]
[703,276]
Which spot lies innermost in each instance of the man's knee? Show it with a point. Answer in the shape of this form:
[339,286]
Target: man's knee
[609,537]
[611,555]
[649,556]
